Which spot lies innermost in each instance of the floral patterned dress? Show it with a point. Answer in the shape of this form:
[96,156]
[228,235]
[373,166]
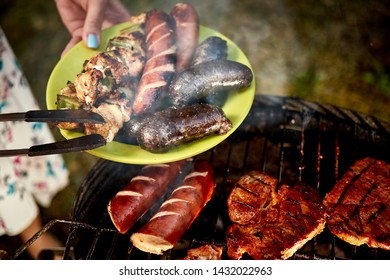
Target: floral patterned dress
[25,181]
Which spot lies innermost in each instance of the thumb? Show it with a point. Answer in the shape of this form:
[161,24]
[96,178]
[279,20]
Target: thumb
[93,23]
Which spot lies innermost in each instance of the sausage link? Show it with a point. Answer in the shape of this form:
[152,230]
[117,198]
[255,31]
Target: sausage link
[160,61]
[178,212]
[139,195]
[212,48]
[198,81]
[187,32]
[175,126]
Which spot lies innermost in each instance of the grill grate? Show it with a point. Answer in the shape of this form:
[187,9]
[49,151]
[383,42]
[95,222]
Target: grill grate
[289,138]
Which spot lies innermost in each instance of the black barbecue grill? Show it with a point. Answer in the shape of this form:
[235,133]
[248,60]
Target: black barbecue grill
[289,138]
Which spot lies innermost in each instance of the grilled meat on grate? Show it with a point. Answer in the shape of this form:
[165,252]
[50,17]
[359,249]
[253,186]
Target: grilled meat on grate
[251,194]
[279,228]
[359,205]
[205,252]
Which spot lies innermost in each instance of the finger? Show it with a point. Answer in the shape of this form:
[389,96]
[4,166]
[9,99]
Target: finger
[93,23]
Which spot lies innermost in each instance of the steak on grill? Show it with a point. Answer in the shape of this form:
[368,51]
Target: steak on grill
[251,194]
[359,204]
[293,216]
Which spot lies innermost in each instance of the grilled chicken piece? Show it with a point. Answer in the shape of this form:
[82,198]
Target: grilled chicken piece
[114,115]
[205,252]
[282,225]
[110,63]
[108,82]
[93,85]
[359,205]
[120,65]
[130,50]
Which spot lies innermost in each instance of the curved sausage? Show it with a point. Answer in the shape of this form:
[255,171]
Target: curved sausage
[137,197]
[198,81]
[160,61]
[187,32]
[211,48]
[178,212]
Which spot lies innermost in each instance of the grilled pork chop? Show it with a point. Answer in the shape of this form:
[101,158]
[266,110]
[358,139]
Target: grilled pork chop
[280,226]
[359,205]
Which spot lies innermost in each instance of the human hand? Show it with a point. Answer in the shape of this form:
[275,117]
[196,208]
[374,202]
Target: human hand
[84,19]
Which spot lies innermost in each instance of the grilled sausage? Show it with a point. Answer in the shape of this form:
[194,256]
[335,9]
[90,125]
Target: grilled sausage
[198,81]
[137,197]
[212,48]
[160,61]
[187,31]
[172,127]
[178,212]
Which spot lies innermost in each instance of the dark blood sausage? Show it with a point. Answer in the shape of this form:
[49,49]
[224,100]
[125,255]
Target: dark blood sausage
[187,32]
[160,61]
[178,212]
[193,84]
[137,197]
[212,48]
[175,126]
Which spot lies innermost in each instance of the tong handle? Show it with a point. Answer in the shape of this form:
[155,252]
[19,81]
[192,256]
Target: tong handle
[87,142]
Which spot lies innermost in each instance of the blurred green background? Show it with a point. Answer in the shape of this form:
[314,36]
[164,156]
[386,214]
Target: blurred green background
[330,51]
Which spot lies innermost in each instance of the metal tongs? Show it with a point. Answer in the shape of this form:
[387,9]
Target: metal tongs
[87,142]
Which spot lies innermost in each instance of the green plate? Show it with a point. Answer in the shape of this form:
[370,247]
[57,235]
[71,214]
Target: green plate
[236,106]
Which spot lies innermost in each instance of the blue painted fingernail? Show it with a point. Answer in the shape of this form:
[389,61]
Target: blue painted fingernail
[93,41]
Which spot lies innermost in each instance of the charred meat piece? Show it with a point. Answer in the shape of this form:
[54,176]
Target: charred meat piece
[359,205]
[292,217]
[205,252]
[172,127]
[196,82]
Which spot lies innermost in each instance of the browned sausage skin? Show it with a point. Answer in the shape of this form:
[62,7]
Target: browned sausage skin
[178,212]
[187,32]
[160,61]
[137,197]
